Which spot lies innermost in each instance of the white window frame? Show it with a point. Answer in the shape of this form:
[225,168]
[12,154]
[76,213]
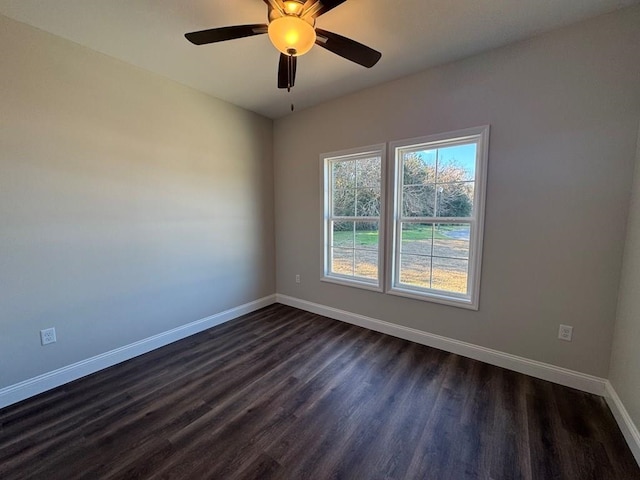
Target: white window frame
[480,135]
[326,160]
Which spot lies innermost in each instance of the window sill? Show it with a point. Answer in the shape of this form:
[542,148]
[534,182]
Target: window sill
[352,283]
[466,303]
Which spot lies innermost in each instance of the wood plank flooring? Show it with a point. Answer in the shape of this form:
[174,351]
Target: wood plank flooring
[286,394]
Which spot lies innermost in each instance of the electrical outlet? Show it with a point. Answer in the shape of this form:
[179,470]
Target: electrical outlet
[565,333]
[297,278]
[48,336]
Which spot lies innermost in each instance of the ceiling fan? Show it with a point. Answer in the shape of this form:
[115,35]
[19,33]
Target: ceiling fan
[292,31]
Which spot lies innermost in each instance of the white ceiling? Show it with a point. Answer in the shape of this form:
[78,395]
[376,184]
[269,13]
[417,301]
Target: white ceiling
[411,34]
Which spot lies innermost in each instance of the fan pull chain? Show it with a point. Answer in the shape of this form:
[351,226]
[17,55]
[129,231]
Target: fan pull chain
[290,75]
[289,72]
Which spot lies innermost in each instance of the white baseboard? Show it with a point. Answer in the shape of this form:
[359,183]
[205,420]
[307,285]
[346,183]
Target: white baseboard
[545,371]
[34,386]
[629,429]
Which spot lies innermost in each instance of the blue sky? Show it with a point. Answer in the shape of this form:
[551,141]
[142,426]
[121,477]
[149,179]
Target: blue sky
[462,155]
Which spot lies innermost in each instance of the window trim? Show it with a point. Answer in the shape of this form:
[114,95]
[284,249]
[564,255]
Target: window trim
[325,268]
[471,300]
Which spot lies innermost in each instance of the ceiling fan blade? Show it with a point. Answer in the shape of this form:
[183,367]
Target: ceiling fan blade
[320,7]
[347,48]
[214,35]
[287,71]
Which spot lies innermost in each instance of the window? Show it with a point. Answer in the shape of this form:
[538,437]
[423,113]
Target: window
[435,217]
[438,210]
[353,216]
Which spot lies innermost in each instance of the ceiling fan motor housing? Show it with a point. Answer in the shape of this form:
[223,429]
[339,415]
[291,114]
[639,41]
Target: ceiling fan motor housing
[291,7]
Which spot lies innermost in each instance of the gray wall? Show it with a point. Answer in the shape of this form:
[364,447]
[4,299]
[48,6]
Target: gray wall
[625,357]
[564,110]
[129,205]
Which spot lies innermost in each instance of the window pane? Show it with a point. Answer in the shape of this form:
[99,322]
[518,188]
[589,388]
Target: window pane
[417,238]
[415,270]
[418,167]
[451,241]
[343,175]
[342,261]
[418,201]
[457,163]
[366,235]
[343,234]
[355,249]
[368,202]
[450,275]
[368,172]
[455,200]
[367,264]
[353,188]
[438,187]
[344,203]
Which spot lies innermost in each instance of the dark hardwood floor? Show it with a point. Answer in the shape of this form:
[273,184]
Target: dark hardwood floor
[286,394]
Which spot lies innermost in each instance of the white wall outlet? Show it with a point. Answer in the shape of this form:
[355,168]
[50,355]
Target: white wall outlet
[565,333]
[47,336]
[297,278]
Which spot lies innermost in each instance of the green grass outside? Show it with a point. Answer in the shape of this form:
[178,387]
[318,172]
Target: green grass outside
[370,237]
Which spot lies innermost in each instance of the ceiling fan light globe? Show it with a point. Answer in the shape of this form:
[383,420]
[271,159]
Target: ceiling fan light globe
[291,34]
